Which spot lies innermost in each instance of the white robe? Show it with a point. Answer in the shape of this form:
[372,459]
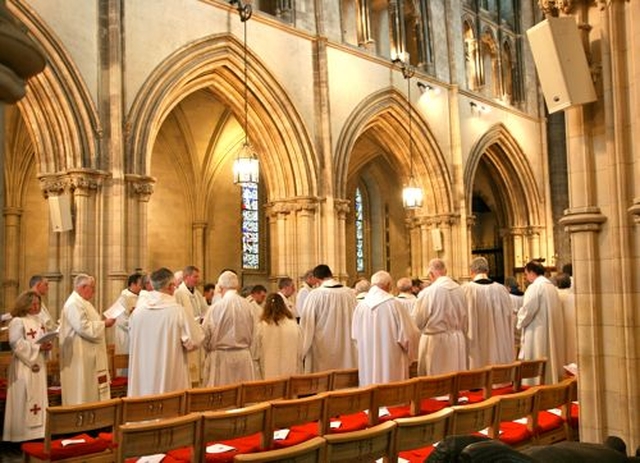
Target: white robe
[541,319]
[27,398]
[386,337]
[326,326]
[84,369]
[301,296]
[278,348]
[160,339]
[408,301]
[128,300]
[46,318]
[441,316]
[195,308]
[229,331]
[490,328]
[567,299]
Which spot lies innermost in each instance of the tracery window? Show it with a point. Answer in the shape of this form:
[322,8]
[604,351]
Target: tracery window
[250,227]
[359,222]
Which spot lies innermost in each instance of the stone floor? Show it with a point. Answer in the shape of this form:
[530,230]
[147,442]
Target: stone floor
[10,452]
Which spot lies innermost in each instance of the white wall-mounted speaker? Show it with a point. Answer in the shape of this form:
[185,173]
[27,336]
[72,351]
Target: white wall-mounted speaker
[561,63]
[60,213]
[436,239]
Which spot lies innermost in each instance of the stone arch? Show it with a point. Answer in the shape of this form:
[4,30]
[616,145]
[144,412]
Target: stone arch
[61,118]
[216,63]
[502,152]
[385,114]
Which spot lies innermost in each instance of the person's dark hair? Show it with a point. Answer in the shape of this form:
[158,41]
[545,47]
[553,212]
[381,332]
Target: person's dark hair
[563,281]
[492,451]
[322,272]
[275,309]
[190,270]
[34,280]
[23,303]
[284,282]
[258,289]
[134,278]
[208,287]
[568,269]
[534,266]
[161,278]
[449,448]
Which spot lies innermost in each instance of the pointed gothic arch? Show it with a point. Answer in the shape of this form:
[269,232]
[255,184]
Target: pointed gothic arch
[384,114]
[216,63]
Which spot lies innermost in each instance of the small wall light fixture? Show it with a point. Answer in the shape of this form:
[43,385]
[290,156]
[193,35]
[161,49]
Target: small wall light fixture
[428,89]
[478,109]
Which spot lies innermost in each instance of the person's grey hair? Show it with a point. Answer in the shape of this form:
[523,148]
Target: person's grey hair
[162,278]
[178,277]
[82,279]
[190,270]
[285,282]
[308,274]
[479,265]
[437,266]
[35,279]
[382,280]
[404,285]
[362,286]
[228,280]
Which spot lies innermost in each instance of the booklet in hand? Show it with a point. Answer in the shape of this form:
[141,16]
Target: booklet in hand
[114,311]
[48,336]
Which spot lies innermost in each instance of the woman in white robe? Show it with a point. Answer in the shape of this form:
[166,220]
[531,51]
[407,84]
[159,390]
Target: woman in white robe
[27,398]
[278,342]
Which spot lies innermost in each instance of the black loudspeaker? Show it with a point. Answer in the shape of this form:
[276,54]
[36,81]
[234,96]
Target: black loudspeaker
[60,213]
[561,63]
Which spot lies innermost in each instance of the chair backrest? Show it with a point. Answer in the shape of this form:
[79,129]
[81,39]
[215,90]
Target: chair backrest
[77,419]
[213,398]
[312,383]
[286,413]
[229,424]
[554,395]
[311,451]
[502,374]
[556,399]
[516,406]
[419,431]
[120,362]
[473,379]
[153,407]
[368,444]
[532,370]
[5,361]
[346,402]
[344,379]
[429,387]
[253,392]
[477,417]
[393,394]
[152,437]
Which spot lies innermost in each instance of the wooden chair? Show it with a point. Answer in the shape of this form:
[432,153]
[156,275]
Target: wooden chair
[514,422]
[153,407]
[76,421]
[472,386]
[213,398]
[367,445]
[415,435]
[312,383]
[54,391]
[433,393]
[574,411]
[161,436]
[119,383]
[344,379]
[551,414]
[311,451]
[263,391]
[531,372]
[503,378]
[348,408]
[475,418]
[393,400]
[303,417]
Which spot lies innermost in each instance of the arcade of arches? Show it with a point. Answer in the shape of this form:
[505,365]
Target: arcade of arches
[139,115]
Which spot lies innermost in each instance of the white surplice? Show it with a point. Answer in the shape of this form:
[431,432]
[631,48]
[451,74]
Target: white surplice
[229,331]
[278,348]
[301,296]
[567,299]
[441,315]
[27,397]
[326,326]
[195,308]
[408,301]
[127,299]
[160,339]
[542,324]
[84,369]
[386,337]
[490,329]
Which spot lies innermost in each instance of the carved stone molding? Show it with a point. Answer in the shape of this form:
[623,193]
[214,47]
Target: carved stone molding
[342,207]
[52,185]
[584,219]
[140,185]
[307,205]
[17,211]
[634,210]
[555,7]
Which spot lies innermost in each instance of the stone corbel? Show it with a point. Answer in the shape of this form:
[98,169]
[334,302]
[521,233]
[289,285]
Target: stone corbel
[85,182]
[583,219]
[141,186]
[634,210]
[342,208]
[52,184]
[555,7]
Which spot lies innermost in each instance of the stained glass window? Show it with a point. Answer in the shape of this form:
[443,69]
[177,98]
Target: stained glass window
[358,207]
[250,227]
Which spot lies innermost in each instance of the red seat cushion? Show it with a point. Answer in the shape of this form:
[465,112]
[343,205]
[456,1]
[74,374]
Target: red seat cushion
[575,414]
[417,455]
[298,434]
[432,405]
[247,444]
[58,452]
[166,459]
[502,390]
[353,422]
[119,381]
[512,433]
[473,397]
[548,421]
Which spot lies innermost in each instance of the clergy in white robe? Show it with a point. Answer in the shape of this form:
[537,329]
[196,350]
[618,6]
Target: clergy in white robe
[490,319]
[84,368]
[326,325]
[308,283]
[386,336]
[278,341]
[441,316]
[256,299]
[405,296]
[567,299]
[27,398]
[40,285]
[286,290]
[542,323]
[160,339]
[127,299]
[229,328]
[195,307]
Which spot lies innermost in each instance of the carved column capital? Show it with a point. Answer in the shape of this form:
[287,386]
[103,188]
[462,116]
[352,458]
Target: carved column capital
[555,7]
[141,186]
[583,219]
[52,184]
[85,182]
[342,208]
[634,210]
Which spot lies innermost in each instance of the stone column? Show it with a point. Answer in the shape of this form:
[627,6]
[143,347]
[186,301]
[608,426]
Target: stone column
[198,239]
[397,32]
[12,219]
[139,191]
[415,243]
[342,208]
[305,255]
[364,26]
[278,214]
